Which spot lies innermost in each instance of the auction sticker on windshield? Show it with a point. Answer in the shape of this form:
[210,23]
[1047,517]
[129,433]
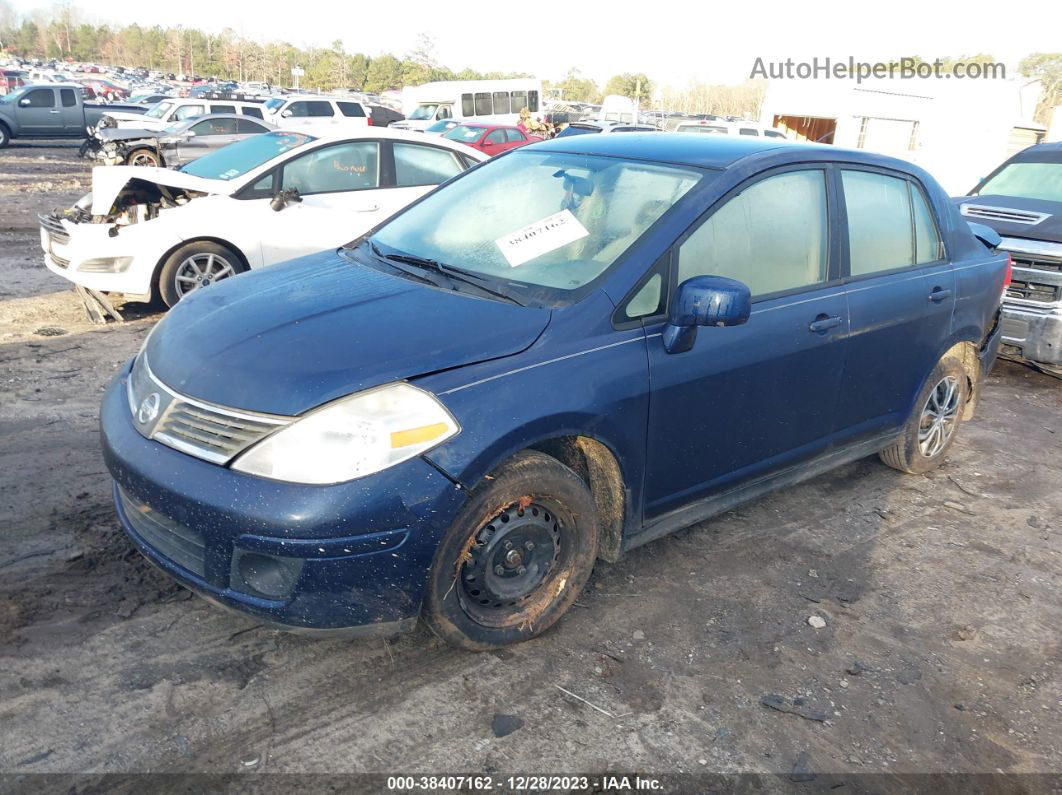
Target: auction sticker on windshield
[541,237]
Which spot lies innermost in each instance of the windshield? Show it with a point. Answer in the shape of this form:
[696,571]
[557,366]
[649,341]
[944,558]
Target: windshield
[423,112]
[159,110]
[237,159]
[7,99]
[272,104]
[441,126]
[1027,181]
[538,220]
[464,134]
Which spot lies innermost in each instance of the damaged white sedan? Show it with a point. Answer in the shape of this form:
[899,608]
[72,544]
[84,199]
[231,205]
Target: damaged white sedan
[159,233]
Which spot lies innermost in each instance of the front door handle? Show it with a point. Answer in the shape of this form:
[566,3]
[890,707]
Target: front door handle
[824,323]
[939,294]
[55,111]
[370,209]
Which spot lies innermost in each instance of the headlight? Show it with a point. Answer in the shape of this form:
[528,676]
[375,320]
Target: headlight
[105,265]
[352,437]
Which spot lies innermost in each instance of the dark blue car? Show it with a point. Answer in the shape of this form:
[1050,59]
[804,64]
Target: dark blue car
[564,353]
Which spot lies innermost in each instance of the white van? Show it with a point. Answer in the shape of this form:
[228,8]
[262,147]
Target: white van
[168,111]
[720,127]
[316,114]
[494,101]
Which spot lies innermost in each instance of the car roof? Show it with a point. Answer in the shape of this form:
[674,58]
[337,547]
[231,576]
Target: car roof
[238,116]
[707,151]
[374,133]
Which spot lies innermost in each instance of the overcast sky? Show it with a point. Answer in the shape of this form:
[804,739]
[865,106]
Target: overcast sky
[672,42]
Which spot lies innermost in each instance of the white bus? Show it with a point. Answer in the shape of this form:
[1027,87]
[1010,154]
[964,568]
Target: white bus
[498,101]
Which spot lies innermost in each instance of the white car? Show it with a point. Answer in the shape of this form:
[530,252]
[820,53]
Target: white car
[168,111]
[158,232]
[317,114]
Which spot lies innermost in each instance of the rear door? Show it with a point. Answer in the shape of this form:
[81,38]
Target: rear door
[755,398]
[73,116]
[39,112]
[901,295]
[208,136]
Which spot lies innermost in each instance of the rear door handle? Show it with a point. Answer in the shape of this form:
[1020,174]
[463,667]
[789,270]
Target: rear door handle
[939,294]
[824,323]
[370,209]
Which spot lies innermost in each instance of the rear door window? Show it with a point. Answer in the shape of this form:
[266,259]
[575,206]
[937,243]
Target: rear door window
[68,97]
[255,112]
[222,108]
[351,109]
[514,136]
[880,224]
[423,165]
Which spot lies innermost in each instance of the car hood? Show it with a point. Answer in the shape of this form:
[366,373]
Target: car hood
[1050,228]
[123,134]
[290,337]
[129,116]
[108,182]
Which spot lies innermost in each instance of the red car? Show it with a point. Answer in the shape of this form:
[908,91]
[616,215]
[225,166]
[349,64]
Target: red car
[491,139]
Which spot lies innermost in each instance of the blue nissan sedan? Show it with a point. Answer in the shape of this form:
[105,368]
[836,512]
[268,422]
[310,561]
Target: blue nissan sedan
[562,354]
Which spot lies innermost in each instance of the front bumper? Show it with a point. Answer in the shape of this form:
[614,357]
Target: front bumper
[64,255]
[356,554]
[1033,335]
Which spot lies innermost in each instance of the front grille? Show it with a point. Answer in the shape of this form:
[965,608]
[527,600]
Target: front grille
[55,228]
[1037,263]
[174,541]
[209,433]
[204,430]
[1005,214]
[1031,291]
[59,261]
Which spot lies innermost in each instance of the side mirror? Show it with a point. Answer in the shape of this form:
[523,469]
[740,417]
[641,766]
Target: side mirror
[286,114]
[704,301]
[24,102]
[280,200]
[986,234]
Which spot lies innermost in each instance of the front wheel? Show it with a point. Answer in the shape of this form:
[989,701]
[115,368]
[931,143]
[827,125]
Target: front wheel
[5,136]
[195,266]
[516,557]
[143,157]
[930,431]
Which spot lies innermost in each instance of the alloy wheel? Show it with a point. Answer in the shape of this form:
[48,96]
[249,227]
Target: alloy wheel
[144,159]
[939,417]
[201,270]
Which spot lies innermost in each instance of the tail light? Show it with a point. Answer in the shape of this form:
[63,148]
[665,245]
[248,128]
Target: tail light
[369,118]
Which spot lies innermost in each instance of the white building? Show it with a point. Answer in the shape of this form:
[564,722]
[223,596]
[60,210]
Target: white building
[959,130]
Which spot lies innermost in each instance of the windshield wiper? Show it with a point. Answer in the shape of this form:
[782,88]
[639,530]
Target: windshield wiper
[455,273]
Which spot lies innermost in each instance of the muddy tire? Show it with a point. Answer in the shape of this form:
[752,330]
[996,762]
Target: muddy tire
[5,135]
[933,425]
[194,266]
[516,557]
[143,157]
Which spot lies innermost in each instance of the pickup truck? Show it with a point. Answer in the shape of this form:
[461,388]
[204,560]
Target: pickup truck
[1022,201]
[56,110]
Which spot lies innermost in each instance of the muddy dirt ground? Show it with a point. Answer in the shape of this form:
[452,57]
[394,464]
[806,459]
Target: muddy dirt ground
[942,597]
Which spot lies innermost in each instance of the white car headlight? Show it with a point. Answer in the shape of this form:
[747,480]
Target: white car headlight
[352,437]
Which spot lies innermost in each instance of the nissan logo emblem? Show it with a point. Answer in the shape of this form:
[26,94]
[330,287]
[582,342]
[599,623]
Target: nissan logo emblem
[149,409]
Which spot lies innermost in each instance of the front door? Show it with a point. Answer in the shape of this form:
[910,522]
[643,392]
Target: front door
[339,187]
[751,399]
[39,113]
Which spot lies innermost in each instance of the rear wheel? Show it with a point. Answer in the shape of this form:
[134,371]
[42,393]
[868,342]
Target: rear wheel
[143,157]
[195,266]
[515,558]
[931,429]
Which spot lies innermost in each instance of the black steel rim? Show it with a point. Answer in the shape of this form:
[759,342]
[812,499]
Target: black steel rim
[512,561]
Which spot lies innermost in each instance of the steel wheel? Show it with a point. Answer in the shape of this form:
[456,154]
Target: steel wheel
[201,270]
[939,416]
[509,563]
